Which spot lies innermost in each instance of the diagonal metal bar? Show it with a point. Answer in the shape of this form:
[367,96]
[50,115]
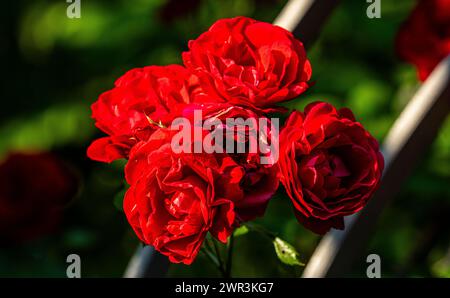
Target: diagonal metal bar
[407,141]
[305,19]
[146,262]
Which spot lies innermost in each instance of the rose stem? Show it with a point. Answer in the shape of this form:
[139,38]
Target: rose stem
[229,256]
[215,252]
[219,256]
[213,259]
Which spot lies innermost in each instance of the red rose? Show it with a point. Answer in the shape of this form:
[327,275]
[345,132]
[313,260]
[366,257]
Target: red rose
[260,180]
[424,39]
[329,164]
[140,100]
[175,199]
[247,62]
[34,188]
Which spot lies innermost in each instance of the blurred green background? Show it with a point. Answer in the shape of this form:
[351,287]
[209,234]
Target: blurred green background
[55,67]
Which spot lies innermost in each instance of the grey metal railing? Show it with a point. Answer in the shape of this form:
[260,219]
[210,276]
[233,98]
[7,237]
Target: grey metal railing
[305,18]
[147,262]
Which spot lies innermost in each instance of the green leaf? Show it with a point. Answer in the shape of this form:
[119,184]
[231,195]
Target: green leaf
[286,252]
[118,199]
[242,230]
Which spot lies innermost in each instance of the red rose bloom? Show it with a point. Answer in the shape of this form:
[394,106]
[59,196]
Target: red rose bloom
[175,199]
[260,181]
[329,164]
[141,98]
[424,39]
[34,188]
[247,62]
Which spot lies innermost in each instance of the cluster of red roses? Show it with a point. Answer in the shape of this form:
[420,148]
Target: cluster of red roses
[328,163]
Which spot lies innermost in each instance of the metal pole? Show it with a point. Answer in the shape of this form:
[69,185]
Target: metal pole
[146,262]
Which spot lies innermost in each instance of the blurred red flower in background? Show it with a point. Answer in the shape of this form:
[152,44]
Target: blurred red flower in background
[424,39]
[34,189]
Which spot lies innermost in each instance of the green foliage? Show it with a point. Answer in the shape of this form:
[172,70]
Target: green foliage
[118,199]
[242,230]
[56,126]
[286,252]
